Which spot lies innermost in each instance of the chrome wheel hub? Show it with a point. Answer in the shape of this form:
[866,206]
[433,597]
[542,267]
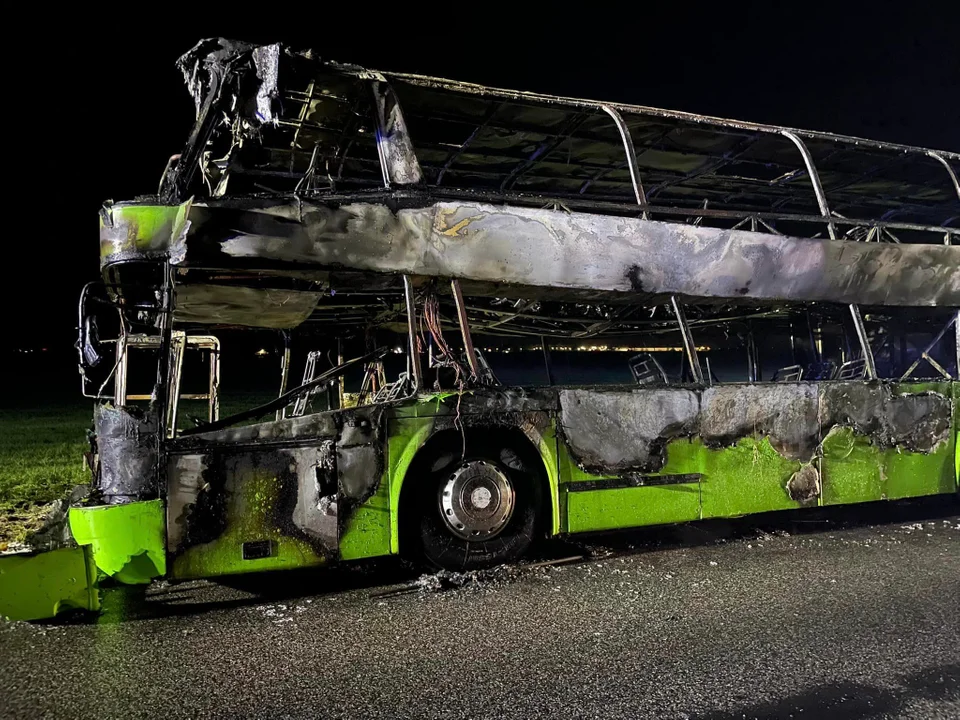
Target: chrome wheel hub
[477,500]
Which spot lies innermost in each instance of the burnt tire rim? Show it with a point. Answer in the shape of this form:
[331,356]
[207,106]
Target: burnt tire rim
[477,500]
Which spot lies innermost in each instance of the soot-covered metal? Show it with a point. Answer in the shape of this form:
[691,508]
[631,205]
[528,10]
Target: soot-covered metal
[299,477]
[620,431]
[309,166]
[127,448]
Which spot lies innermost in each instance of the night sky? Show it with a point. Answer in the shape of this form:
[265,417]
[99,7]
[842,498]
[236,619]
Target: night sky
[119,108]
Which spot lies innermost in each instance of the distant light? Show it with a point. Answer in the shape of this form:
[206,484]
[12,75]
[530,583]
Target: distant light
[397,350]
[598,348]
[261,352]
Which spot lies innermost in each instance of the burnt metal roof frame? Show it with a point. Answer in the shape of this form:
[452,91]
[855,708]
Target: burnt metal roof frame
[452,158]
[721,125]
[540,130]
[631,153]
[601,174]
[227,57]
[714,161]
[716,164]
[694,118]
[544,149]
[814,179]
[953,176]
[390,123]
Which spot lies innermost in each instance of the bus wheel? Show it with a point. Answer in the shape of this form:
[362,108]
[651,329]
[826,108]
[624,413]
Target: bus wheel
[478,512]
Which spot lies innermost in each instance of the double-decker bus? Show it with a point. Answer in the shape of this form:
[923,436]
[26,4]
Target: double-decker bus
[501,316]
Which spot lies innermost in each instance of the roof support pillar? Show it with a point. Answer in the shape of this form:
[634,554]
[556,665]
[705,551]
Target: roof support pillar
[688,345]
[631,156]
[414,350]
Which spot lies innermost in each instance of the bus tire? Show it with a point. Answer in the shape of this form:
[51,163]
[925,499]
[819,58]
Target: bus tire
[478,510]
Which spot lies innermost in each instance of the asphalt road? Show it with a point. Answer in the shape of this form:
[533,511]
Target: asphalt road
[850,614]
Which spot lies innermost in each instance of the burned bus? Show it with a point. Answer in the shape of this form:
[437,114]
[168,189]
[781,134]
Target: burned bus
[499,316]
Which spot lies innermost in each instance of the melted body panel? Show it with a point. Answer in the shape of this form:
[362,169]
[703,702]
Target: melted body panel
[127,542]
[127,441]
[754,449]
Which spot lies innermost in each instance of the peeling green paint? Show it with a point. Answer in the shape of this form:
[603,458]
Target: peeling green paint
[752,477]
[36,586]
[849,468]
[855,470]
[127,541]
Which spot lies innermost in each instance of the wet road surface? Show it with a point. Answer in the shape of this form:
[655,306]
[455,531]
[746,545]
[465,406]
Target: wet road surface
[823,615]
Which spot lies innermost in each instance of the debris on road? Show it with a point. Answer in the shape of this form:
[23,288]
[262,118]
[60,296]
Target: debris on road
[447,580]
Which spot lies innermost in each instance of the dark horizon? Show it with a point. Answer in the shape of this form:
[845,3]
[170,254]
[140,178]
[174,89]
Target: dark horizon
[885,77]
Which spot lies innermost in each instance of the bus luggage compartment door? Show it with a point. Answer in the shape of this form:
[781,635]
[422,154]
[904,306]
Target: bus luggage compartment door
[238,510]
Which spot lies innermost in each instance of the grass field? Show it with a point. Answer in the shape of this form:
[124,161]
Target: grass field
[41,458]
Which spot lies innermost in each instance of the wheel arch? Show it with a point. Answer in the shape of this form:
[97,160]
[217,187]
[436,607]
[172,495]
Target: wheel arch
[537,449]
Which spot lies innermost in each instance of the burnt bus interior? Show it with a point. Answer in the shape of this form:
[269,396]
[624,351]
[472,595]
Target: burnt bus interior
[515,342]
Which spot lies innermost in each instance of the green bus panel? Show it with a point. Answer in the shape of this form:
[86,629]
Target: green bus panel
[850,469]
[366,532]
[37,586]
[855,469]
[749,477]
[632,507]
[128,541]
[250,503]
[611,509]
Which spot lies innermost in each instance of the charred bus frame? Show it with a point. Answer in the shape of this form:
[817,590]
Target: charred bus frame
[303,182]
